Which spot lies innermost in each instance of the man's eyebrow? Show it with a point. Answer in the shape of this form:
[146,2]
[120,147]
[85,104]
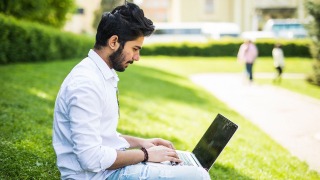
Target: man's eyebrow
[139,47]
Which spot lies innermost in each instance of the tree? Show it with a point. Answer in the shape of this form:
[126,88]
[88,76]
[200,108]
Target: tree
[313,7]
[105,6]
[49,12]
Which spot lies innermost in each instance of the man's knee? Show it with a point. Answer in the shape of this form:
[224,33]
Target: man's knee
[204,173]
[192,172]
[158,171]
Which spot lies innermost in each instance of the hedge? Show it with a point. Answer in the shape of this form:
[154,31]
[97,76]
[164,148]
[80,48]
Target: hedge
[229,47]
[23,41]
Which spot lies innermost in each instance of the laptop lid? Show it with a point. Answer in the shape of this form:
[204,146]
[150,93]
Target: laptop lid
[214,140]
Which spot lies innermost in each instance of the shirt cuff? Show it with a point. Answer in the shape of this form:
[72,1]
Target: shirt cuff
[109,158]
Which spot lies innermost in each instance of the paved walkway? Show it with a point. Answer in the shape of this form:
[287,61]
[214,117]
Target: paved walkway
[291,119]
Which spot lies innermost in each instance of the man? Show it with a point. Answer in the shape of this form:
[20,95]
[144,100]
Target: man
[247,54]
[85,136]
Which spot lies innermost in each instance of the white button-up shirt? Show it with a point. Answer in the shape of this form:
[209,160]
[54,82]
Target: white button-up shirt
[85,138]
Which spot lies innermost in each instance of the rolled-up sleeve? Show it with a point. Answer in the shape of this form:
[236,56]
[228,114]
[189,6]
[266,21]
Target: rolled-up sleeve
[84,100]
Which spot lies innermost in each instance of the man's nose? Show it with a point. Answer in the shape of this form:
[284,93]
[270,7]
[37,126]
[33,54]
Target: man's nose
[136,57]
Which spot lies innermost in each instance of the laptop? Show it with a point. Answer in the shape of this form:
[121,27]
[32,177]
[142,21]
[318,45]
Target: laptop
[210,145]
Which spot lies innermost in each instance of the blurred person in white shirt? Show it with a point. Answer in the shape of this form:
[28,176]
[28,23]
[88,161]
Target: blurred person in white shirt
[278,61]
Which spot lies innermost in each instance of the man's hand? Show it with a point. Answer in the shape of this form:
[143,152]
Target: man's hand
[162,153]
[158,149]
[136,142]
[157,142]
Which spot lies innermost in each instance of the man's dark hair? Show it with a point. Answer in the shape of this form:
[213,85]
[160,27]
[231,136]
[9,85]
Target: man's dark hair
[126,21]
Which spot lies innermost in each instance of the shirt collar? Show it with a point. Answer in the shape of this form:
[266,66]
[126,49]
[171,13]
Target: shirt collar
[102,65]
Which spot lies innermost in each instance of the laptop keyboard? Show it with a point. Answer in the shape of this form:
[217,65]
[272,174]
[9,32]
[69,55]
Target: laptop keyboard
[185,158]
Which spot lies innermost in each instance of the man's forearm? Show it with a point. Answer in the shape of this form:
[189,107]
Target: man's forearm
[125,158]
[134,142]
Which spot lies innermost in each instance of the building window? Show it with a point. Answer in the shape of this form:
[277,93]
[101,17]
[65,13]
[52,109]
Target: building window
[80,11]
[209,6]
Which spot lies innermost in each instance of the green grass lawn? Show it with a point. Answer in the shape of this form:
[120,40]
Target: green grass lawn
[157,100]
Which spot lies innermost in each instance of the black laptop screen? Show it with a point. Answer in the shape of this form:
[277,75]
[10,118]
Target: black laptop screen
[214,140]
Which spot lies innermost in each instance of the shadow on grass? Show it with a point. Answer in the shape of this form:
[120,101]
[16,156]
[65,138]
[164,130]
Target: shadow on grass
[148,83]
[139,133]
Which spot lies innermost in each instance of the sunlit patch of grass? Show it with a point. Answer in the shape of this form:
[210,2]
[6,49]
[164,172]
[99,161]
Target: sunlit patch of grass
[41,94]
[296,85]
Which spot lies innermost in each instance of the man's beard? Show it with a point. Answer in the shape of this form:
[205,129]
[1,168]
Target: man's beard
[117,58]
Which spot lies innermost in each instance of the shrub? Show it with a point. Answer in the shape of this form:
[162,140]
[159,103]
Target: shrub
[230,47]
[313,7]
[23,41]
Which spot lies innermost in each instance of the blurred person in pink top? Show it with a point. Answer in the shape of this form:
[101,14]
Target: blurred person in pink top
[247,54]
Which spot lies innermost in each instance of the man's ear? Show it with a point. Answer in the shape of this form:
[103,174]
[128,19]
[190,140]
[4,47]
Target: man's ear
[113,42]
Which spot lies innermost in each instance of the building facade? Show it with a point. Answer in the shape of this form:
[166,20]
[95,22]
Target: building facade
[250,15]
[81,21]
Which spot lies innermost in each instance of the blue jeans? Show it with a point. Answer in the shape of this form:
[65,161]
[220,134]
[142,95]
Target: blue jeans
[249,70]
[159,171]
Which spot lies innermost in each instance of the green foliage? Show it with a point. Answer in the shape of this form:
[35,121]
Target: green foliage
[23,41]
[313,7]
[292,48]
[314,78]
[49,12]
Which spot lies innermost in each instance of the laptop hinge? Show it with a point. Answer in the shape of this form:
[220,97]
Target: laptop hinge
[195,159]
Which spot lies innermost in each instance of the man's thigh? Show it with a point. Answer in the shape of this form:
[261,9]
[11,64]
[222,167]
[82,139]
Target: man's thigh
[159,171]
